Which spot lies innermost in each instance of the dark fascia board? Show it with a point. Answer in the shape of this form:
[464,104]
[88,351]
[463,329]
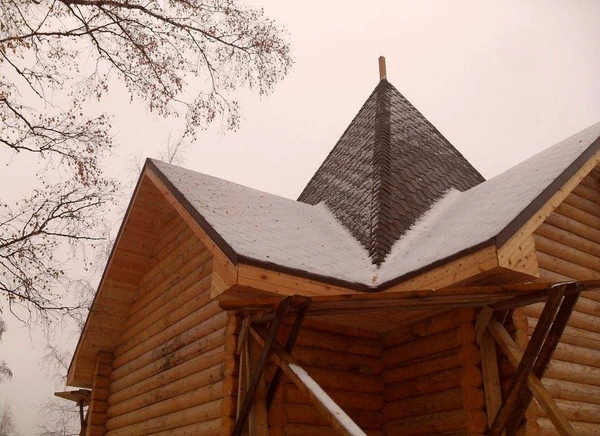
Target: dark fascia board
[210,231]
[498,240]
[519,221]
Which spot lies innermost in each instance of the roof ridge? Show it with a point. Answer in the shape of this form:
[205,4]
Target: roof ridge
[380,245]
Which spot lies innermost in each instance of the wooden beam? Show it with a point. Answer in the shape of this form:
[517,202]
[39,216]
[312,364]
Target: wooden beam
[291,341]
[338,419]
[544,356]
[514,354]
[260,367]
[489,364]
[500,298]
[511,404]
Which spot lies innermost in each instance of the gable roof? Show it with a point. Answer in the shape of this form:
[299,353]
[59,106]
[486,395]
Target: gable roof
[262,229]
[388,168]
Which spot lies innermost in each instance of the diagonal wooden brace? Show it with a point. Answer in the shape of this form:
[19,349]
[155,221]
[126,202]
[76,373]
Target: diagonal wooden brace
[515,355]
[511,404]
[544,357]
[336,417]
[289,345]
[260,367]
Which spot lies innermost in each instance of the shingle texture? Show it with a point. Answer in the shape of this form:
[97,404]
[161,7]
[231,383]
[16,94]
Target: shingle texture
[388,168]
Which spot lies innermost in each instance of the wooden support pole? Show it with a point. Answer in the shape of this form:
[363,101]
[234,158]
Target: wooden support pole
[514,354]
[338,419]
[544,356]
[260,367]
[291,341]
[510,405]
[489,364]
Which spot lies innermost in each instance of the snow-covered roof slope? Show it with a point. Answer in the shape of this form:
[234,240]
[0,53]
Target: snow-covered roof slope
[254,226]
[462,220]
[271,229]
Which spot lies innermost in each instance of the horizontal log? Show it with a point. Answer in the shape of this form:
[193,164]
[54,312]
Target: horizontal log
[575,354]
[169,315]
[573,335]
[445,340]
[583,204]
[354,332]
[552,277]
[588,305]
[314,430]
[196,380]
[566,253]
[591,182]
[343,380]
[430,383]
[452,399]
[192,415]
[578,320]
[565,390]
[339,361]
[582,428]
[168,376]
[580,412]
[132,372]
[329,341]
[565,267]
[574,226]
[207,428]
[592,295]
[569,239]
[188,290]
[155,407]
[587,193]
[207,320]
[307,414]
[158,287]
[345,399]
[398,373]
[446,321]
[473,421]
[166,262]
[578,215]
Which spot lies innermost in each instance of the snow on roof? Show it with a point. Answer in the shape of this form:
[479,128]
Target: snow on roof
[291,235]
[272,229]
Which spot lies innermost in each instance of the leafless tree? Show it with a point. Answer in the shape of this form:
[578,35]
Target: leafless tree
[5,372]
[57,55]
[7,425]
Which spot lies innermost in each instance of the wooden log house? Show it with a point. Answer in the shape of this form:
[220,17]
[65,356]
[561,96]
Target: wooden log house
[401,294]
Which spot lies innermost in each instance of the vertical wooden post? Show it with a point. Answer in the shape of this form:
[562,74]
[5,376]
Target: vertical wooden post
[259,423]
[382,68]
[489,364]
[98,402]
[471,380]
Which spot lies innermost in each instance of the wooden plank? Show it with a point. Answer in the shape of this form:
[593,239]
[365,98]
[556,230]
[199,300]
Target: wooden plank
[289,346]
[545,354]
[260,367]
[514,354]
[511,405]
[338,419]
[489,364]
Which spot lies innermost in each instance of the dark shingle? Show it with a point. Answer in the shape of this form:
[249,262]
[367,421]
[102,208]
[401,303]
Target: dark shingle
[387,169]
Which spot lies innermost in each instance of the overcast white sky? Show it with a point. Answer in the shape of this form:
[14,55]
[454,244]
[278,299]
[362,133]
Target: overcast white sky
[501,80]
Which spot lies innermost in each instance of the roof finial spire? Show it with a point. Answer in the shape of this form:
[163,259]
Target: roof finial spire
[382,71]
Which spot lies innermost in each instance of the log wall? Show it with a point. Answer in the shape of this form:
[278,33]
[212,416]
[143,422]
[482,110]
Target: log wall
[433,381]
[568,248]
[170,373]
[346,363]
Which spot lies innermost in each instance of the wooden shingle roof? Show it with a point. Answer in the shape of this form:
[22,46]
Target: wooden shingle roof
[388,168]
